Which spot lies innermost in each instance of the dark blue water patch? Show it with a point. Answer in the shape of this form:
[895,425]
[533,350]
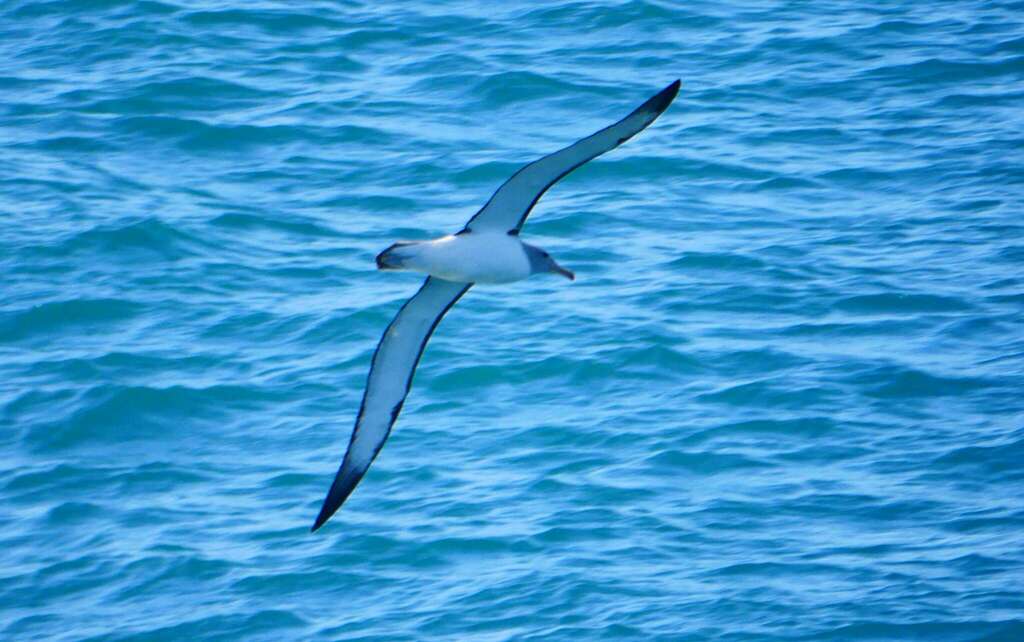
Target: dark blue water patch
[755,361]
[129,240]
[997,231]
[277,22]
[110,413]
[657,169]
[517,87]
[32,626]
[717,261]
[856,177]
[216,627]
[1012,253]
[72,145]
[297,226]
[105,8]
[982,565]
[875,630]
[192,134]
[977,205]
[273,585]
[1012,299]
[48,481]
[778,300]
[783,183]
[968,102]
[157,573]
[892,381]
[491,174]
[654,359]
[457,64]
[323,329]
[59,318]
[480,376]
[901,303]
[639,14]
[329,61]
[67,514]
[1011,45]
[875,327]
[1000,461]
[186,95]
[114,364]
[559,535]
[157,477]
[703,463]
[1001,525]
[391,204]
[943,72]
[772,393]
[983,328]
[784,429]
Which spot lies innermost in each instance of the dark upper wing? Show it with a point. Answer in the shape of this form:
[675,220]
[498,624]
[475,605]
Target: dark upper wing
[391,373]
[511,204]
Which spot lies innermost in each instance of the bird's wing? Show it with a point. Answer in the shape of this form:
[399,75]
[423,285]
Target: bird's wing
[511,204]
[391,373]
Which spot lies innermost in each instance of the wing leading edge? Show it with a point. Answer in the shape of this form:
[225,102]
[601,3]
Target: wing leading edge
[511,204]
[387,385]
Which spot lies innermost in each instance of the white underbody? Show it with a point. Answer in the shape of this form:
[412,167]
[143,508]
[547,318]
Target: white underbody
[477,257]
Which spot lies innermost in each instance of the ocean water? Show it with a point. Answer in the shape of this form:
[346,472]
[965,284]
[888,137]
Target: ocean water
[782,400]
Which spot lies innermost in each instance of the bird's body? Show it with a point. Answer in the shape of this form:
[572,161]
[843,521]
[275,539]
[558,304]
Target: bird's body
[487,250]
[480,257]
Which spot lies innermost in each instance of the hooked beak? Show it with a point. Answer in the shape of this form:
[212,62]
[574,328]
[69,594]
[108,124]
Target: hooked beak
[564,272]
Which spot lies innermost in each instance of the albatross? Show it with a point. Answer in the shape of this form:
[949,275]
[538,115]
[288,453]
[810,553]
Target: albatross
[487,250]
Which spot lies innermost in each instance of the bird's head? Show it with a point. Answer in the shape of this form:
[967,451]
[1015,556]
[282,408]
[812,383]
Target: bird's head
[541,261]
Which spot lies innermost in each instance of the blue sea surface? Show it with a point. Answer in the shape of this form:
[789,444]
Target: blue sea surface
[782,400]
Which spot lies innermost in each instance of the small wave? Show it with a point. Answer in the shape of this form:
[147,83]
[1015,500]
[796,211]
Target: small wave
[73,144]
[110,413]
[301,227]
[704,462]
[634,13]
[805,427]
[61,317]
[899,303]
[727,261]
[999,460]
[67,513]
[513,87]
[942,71]
[764,360]
[200,135]
[901,382]
[875,327]
[128,239]
[270,20]
[180,95]
[234,626]
[771,393]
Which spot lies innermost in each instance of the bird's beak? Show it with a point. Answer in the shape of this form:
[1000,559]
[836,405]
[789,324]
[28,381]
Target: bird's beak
[564,272]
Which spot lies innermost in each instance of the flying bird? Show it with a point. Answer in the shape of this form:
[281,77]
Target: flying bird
[487,250]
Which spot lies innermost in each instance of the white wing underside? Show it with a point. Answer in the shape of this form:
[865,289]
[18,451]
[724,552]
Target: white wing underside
[511,204]
[391,374]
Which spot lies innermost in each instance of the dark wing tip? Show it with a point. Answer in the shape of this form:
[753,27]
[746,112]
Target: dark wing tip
[344,483]
[661,100]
